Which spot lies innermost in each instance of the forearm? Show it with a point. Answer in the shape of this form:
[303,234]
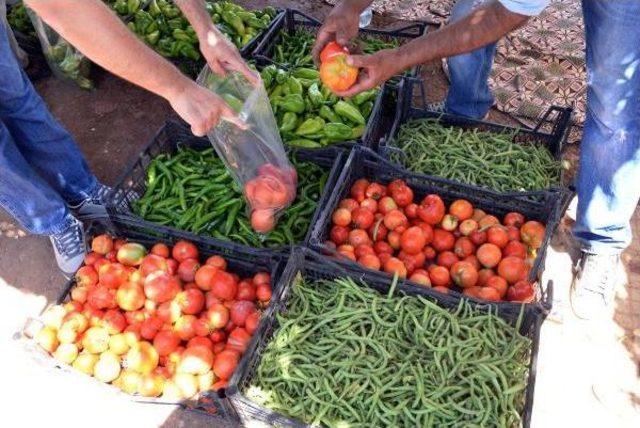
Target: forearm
[93,29]
[483,26]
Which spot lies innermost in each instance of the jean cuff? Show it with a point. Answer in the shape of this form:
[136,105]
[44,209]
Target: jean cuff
[83,194]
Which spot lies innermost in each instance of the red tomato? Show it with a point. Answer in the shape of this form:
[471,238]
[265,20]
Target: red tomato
[428,231]
[378,231]
[150,327]
[522,291]
[429,252]
[420,276]
[362,250]
[341,217]
[532,234]
[246,291]
[339,234]
[478,237]
[102,244]
[362,218]
[498,283]
[412,261]
[468,226]
[447,259]
[394,239]
[332,49]
[484,275]
[349,204]
[413,240]
[184,250]
[449,223]
[238,340]
[512,269]
[263,292]
[464,247]
[382,247]
[403,195]
[443,240]
[474,261]
[513,219]
[204,276]
[187,269]
[497,235]
[370,205]
[190,301]
[153,262]
[114,321]
[131,254]
[161,250]
[263,220]
[489,293]
[240,310]
[516,249]
[223,285]
[431,209]
[370,261]
[464,274]
[86,276]
[461,209]
[358,189]
[112,275]
[440,276]
[358,237]
[252,321]
[336,74]
[217,261]
[489,255]
[411,211]
[101,297]
[165,342]
[160,287]
[395,266]
[198,341]
[386,205]
[225,364]
[394,219]
[488,221]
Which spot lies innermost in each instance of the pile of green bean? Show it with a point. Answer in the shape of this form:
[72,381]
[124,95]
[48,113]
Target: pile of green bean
[345,355]
[192,190]
[294,50]
[475,157]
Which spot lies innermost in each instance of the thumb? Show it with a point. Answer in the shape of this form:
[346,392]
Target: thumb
[342,38]
[359,60]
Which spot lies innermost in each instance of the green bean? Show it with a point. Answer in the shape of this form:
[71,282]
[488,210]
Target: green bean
[475,157]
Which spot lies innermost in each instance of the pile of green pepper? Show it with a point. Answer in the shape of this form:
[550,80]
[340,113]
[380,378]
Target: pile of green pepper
[163,26]
[71,63]
[125,7]
[193,190]
[344,355]
[308,114]
[18,19]
[294,49]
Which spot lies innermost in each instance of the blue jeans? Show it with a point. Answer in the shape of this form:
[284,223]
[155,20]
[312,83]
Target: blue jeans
[41,167]
[609,178]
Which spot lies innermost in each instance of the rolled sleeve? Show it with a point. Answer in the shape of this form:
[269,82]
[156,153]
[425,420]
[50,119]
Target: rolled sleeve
[525,7]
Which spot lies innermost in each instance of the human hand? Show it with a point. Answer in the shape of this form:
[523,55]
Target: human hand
[375,69]
[341,25]
[222,56]
[201,108]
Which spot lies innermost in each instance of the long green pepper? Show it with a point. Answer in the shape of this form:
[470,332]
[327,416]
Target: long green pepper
[192,190]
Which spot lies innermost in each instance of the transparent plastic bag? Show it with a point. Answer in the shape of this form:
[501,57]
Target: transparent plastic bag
[65,61]
[254,154]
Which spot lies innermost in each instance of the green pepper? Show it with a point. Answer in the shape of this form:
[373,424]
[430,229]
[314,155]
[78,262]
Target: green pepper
[366,108]
[276,92]
[179,34]
[257,23]
[356,132]
[175,23]
[304,143]
[121,7]
[281,76]
[292,102]
[218,8]
[315,95]
[327,113]
[271,11]
[337,131]
[310,126]
[152,38]
[133,6]
[234,21]
[154,9]
[289,121]
[349,112]
[215,18]
[364,96]
[295,87]
[306,73]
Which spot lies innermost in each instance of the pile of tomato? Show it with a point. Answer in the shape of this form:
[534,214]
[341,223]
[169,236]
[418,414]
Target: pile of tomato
[384,228]
[155,323]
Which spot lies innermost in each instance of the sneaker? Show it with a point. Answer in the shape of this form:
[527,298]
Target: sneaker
[594,284]
[94,206]
[438,107]
[69,247]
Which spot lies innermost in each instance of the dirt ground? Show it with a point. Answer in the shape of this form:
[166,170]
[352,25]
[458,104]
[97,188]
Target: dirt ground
[588,374]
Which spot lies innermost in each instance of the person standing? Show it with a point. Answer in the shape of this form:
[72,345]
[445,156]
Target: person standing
[607,183]
[45,182]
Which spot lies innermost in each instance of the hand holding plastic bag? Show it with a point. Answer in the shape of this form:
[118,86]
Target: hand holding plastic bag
[253,153]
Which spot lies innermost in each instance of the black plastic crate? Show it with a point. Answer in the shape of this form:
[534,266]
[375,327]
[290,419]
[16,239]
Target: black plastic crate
[212,403]
[543,206]
[313,266]
[174,134]
[551,131]
[294,20]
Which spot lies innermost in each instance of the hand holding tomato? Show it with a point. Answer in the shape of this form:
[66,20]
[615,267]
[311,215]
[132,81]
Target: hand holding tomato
[375,69]
[341,25]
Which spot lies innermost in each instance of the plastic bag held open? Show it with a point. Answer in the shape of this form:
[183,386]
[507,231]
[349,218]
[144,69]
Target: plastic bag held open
[254,154]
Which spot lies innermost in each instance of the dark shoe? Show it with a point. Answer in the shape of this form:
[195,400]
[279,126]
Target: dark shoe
[594,284]
[69,247]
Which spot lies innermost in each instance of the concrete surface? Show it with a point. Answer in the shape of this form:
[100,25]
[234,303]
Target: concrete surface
[587,372]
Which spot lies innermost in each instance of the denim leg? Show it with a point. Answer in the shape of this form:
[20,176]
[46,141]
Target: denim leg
[43,142]
[25,195]
[469,94]
[609,177]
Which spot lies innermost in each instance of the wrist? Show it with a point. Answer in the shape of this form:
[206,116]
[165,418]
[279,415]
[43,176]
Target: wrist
[175,87]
